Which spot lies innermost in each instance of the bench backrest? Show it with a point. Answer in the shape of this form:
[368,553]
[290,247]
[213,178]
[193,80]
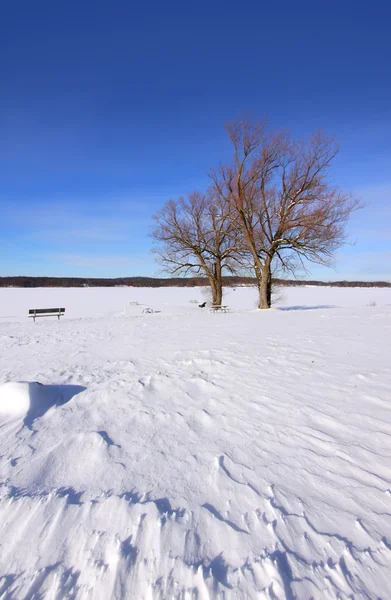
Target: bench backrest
[44,311]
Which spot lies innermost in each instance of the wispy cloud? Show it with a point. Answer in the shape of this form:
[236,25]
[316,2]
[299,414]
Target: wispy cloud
[85,216]
[102,238]
[376,197]
[88,231]
[372,233]
[365,264]
[99,261]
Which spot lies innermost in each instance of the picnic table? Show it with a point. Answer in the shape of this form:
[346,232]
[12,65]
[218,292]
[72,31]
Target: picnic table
[219,308]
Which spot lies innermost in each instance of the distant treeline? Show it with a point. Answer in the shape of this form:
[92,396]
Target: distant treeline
[151,282]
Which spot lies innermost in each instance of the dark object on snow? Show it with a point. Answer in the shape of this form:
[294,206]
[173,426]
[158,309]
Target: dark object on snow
[202,305]
[46,312]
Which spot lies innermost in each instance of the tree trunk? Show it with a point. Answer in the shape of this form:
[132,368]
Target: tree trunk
[217,293]
[265,288]
[216,284]
[258,277]
[219,282]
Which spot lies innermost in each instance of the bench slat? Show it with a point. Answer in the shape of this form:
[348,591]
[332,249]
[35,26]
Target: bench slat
[38,311]
[46,315]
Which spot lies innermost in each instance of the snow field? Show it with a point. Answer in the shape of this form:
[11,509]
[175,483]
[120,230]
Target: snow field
[190,455]
[91,302]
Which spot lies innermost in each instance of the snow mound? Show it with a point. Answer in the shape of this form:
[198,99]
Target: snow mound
[18,398]
[29,400]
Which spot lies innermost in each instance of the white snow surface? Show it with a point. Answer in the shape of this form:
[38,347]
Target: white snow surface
[183,454]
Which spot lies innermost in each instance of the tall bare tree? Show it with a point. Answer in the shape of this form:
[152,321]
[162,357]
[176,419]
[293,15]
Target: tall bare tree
[286,210]
[195,237]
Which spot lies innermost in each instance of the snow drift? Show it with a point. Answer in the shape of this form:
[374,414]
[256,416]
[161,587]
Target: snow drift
[30,400]
[15,399]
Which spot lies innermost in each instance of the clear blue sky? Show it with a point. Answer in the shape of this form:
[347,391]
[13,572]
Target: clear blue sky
[108,109]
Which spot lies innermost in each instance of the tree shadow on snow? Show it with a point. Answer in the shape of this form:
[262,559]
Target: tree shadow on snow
[43,397]
[300,307]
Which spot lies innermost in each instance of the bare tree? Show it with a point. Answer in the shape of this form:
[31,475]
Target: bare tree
[195,237]
[285,208]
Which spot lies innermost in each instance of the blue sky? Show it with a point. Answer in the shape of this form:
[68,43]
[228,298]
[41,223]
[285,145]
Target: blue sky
[108,109]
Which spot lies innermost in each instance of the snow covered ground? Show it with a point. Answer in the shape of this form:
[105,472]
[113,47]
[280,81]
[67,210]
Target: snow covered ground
[184,454]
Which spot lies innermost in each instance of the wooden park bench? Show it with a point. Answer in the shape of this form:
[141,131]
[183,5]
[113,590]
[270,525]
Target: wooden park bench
[219,308]
[46,312]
